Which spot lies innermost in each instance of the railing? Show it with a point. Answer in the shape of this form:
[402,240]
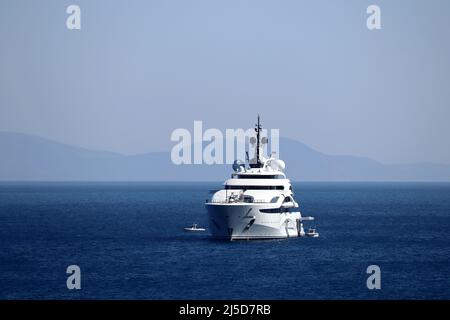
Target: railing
[238,201]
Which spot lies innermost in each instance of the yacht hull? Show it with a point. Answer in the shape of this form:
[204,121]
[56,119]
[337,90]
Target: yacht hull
[245,221]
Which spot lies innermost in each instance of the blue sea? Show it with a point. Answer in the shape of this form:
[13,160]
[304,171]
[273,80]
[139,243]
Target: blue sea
[128,240]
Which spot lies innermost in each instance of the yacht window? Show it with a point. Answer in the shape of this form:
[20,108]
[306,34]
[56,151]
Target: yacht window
[227,187]
[274,199]
[258,176]
[278,210]
[287,199]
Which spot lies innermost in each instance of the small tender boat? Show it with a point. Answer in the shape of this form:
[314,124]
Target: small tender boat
[312,233]
[194,228]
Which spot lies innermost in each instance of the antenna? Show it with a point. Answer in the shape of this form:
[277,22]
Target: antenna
[258,141]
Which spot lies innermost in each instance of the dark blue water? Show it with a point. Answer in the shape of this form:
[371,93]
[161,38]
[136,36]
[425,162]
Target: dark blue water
[129,242]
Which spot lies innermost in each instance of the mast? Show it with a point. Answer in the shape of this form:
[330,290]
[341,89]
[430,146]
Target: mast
[258,131]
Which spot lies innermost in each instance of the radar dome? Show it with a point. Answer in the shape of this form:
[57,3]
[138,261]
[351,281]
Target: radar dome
[277,165]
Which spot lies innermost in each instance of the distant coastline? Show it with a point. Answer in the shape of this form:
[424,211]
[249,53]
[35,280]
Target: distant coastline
[30,158]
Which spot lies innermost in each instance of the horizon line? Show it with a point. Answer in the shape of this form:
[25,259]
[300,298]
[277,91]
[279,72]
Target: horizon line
[221,181]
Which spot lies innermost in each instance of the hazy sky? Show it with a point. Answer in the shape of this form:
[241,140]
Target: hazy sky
[137,70]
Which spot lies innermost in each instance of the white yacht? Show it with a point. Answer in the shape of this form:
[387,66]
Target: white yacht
[257,202]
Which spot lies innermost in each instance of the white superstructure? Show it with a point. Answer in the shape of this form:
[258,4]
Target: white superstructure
[257,202]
